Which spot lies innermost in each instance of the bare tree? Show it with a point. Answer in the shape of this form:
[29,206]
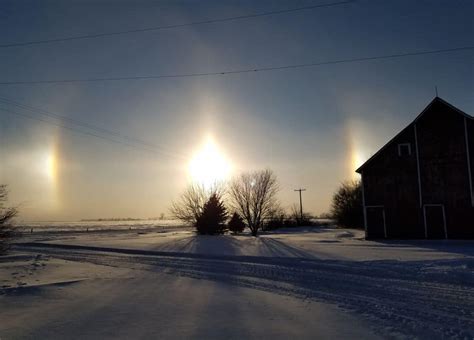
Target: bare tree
[253,196]
[191,203]
[6,215]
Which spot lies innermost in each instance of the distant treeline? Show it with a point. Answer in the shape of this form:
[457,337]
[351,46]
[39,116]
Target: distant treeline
[119,219]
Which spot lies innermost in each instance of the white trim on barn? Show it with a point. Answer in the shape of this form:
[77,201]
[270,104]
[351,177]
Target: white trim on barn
[363,202]
[418,168]
[468,161]
[444,218]
[400,145]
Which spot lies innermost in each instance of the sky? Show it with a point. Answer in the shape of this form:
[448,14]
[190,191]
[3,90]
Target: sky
[312,126]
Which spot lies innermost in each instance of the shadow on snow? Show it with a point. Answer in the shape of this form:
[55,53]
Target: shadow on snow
[425,298]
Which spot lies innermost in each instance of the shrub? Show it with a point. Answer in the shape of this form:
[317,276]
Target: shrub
[7,231]
[295,218]
[276,219]
[347,205]
[213,217]
[236,224]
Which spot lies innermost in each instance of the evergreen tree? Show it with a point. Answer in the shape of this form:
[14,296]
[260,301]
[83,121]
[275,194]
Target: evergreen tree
[213,217]
[236,224]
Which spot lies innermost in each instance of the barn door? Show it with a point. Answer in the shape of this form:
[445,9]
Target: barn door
[435,221]
[376,227]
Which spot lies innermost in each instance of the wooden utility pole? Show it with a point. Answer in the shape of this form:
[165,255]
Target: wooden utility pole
[301,202]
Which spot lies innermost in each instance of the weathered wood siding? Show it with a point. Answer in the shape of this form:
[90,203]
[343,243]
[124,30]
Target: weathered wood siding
[443,165]
[393,182]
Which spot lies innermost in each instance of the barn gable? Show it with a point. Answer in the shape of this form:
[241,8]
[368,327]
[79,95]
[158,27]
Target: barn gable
[436,106]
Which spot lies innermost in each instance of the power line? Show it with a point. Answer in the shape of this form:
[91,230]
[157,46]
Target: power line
[84,125]
[86,133]
[251,70]
[156,28]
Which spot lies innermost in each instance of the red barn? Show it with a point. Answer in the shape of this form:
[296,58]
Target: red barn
[420,184]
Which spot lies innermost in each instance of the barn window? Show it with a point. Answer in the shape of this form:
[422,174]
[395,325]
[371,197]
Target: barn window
[404,149]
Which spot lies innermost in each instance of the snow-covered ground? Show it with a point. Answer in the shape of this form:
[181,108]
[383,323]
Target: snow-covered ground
[95,226]
[294,283]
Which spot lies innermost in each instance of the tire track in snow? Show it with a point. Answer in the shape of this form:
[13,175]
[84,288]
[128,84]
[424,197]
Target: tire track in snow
[398,300]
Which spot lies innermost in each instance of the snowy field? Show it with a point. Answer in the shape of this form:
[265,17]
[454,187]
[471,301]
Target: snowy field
[96,226]
[295,283]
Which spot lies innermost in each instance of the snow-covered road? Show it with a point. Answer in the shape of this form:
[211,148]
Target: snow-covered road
[426,298]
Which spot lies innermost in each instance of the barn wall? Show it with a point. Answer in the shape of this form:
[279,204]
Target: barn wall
[469,229]
[470,132]
[443,166]
[391,181]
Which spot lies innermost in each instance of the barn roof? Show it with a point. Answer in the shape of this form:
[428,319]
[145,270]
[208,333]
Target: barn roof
[435,100]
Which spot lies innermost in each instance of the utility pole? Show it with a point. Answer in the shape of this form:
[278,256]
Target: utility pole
[301,202]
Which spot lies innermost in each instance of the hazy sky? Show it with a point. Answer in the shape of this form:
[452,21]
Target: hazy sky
[312,126]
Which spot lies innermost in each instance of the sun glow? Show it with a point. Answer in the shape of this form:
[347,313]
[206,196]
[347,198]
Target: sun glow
[209,166]
[355,151]
[50,166]
[356,160]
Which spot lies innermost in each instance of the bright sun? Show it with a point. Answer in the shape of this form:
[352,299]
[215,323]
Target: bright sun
[208,166]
